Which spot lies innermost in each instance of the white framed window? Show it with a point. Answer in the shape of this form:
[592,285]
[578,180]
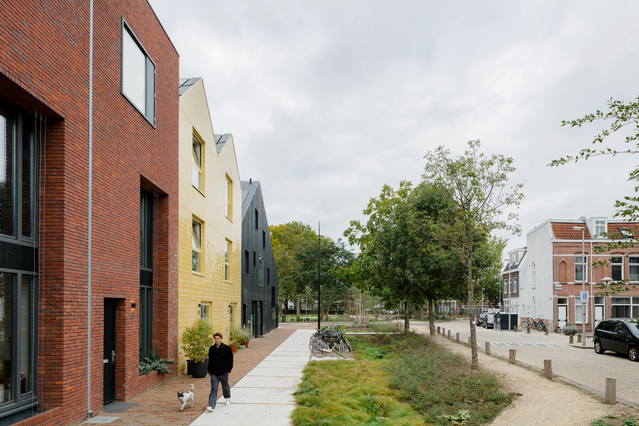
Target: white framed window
[616,268]
[633,266]
[600,227]
[197,164]
[534,275]
[227,261]
[580,268]
[196,246]
[579,313]
[625,232]
[506,286]
[138,74]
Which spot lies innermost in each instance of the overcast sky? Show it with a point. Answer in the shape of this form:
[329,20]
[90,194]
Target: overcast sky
[329,100]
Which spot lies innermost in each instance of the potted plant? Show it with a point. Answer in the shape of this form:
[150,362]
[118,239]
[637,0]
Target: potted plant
[569,329]
[241,335]
[234,345]
[196,341]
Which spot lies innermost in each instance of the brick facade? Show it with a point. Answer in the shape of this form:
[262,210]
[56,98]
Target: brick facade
[44,69]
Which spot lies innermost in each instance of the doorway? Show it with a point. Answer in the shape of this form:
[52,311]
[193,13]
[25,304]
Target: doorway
[562,312]
[109,351]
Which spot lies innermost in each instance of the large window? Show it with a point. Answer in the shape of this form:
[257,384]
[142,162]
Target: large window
[204,312]
[580,268]
[198,149]
[138,74]
[616,268]
[600,227]
[227,261]
[229,198]
[634,268]
[261,271]
[146,273]
[196,246]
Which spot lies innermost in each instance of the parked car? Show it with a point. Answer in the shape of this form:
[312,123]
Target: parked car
[489,321]
[480,319]
[618,335]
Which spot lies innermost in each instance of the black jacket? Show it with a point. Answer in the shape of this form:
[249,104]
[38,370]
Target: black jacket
[220,359]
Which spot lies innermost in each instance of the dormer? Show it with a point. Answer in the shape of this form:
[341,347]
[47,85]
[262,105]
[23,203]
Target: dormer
[597,226]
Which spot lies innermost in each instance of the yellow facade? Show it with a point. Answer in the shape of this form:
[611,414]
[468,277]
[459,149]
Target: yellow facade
[216,287]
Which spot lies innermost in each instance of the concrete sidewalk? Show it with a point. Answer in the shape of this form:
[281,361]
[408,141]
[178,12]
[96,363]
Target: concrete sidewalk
[264,396]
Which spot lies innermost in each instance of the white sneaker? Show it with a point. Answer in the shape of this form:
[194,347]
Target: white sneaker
[228,401]
[210,409]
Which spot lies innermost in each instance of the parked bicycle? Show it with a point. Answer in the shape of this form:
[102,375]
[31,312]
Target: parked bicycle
[329,340]
[533,323]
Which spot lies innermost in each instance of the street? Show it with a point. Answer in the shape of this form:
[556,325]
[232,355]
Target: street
[575,362]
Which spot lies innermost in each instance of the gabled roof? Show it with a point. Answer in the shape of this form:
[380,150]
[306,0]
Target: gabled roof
[514,266]
[614,229]
[220,141]
[187,83]
[249,188]
[564,231]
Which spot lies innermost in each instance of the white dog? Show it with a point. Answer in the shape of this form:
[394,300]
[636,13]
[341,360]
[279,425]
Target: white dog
[185,396]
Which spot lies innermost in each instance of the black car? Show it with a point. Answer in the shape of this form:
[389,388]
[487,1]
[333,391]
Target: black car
[480,319]
[618,335]
[489,321]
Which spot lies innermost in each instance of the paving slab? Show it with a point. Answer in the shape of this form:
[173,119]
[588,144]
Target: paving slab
[254,381]
[247,415]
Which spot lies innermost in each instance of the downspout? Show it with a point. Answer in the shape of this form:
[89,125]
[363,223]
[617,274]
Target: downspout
[89,217]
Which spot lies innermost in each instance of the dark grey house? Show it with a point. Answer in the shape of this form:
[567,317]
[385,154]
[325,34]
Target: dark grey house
[259,273]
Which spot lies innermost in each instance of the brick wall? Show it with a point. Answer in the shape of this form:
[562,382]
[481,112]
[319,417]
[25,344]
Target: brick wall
[44,68]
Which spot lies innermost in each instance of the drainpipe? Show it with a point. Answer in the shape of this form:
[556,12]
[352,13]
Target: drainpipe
[90,204]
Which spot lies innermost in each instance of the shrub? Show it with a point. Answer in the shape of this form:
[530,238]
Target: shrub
[196,341]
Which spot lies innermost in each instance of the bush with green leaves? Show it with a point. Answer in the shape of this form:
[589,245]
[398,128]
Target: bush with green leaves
[155,363]
[240,335]
[196,341]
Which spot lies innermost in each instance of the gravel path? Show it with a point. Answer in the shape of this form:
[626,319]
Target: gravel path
[541,401]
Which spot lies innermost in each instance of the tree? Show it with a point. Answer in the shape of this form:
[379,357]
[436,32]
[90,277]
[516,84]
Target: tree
[622,115]
[287,240]
[478,187]
[335,258]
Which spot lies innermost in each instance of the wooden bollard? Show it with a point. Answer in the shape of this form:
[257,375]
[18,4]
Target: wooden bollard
[548,368]
[487,348]
[528,330]
[438,330]
[514,328]
[572,339]
[512,355]
[611,390]
[457,337]
[579,338]
[546,328]
[443,331]
[469,341]
[449,334]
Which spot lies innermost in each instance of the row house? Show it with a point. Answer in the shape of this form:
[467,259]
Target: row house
[210,224]
[260,285]
[564,258]
[88,203]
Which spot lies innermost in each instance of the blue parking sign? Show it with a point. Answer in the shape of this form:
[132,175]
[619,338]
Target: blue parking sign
[584,297]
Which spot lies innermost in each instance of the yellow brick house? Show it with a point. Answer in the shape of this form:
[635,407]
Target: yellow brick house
[210,224]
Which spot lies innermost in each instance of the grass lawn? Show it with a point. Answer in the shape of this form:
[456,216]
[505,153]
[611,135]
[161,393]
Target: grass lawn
[397,380]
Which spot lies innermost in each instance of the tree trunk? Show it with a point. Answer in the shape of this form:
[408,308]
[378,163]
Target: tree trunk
[298,306]
[471,309]
[431,317]
[406,317]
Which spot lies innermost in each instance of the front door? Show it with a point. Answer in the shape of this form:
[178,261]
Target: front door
[109,351]
[562,315]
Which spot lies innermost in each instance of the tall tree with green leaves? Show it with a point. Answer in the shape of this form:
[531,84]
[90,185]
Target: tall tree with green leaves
[478,187]
[287,240]
[335,258]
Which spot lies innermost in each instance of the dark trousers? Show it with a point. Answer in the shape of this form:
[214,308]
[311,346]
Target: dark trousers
[226,389]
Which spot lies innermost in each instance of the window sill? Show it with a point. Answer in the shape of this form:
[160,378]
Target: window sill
[198,190]
[230,220]
[199,274]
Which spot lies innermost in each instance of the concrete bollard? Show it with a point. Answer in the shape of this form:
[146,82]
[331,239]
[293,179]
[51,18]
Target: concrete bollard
[487,348]
[571,340]
[457,337]
[579,338]
[512,355]
[449,334]
[548,368]
[611,390]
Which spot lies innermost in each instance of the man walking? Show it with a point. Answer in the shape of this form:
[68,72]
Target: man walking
[220,365]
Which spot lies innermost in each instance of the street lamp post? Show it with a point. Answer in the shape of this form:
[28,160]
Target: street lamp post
[583,281]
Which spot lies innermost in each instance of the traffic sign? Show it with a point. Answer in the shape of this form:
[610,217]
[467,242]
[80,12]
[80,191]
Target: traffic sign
[584,297]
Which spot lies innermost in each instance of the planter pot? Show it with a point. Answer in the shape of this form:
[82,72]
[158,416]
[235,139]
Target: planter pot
[200,369]
[246,344]
[569,330]
[234,348]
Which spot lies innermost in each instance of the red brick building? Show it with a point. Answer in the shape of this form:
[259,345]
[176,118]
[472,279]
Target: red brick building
[565,257]
[88,267]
